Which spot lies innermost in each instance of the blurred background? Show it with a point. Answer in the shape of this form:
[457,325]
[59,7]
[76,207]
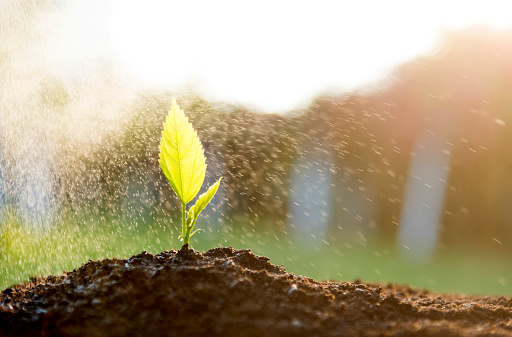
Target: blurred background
[357,140]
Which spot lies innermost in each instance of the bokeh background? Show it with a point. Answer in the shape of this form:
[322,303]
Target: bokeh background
[355,141]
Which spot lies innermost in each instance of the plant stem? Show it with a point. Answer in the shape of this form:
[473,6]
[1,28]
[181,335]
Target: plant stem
[184,233]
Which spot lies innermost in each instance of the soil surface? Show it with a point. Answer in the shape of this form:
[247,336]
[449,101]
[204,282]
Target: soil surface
[227,292]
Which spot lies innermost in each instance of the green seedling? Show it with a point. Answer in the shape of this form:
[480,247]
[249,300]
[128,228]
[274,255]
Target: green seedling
[184,165]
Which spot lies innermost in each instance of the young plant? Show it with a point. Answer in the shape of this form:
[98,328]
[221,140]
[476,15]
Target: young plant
[184,165]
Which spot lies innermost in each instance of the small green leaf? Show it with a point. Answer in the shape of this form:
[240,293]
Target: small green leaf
[194,232]
[205,198]
[181,155]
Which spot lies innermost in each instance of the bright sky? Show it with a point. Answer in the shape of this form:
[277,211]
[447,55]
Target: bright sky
[277,54]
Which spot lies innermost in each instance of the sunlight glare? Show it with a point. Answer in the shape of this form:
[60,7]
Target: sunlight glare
[277,55]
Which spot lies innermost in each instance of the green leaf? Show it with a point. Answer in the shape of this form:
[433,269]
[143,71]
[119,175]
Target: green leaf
[181,155]
[194,232]
[205,198]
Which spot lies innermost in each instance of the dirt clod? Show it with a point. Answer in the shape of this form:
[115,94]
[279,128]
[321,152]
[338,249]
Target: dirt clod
[227,292]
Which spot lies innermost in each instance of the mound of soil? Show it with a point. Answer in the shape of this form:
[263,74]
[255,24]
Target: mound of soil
[227,292]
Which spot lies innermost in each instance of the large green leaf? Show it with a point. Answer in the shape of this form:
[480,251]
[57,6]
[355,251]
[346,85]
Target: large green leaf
[181,155]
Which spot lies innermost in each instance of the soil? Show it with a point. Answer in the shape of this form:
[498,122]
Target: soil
[227,292]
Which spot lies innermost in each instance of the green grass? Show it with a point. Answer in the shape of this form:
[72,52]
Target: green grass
[26,253]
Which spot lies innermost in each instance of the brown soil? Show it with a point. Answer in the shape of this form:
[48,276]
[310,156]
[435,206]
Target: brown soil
[227,292]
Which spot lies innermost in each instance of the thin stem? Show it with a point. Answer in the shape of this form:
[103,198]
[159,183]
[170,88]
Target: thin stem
[184,233]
